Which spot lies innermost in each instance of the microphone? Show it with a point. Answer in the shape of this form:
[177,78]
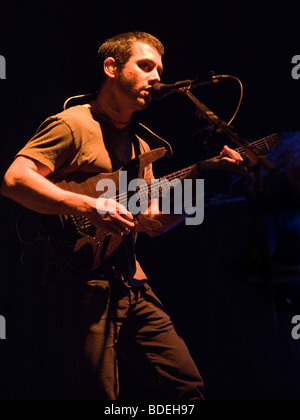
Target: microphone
[161,90]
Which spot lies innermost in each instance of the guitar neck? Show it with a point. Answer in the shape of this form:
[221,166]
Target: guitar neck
[263,145]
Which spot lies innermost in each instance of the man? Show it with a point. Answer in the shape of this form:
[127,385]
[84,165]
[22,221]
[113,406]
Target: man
[111,308]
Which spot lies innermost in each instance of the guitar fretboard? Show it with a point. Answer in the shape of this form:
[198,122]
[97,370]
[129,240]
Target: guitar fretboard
[263,145]
[152,189]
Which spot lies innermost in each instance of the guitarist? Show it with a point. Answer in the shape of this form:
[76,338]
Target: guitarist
[111,309]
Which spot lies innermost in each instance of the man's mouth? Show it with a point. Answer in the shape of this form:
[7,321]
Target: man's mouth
[146,93]
[150,91]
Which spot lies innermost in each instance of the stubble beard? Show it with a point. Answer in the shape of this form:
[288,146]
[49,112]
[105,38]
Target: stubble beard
[127,87]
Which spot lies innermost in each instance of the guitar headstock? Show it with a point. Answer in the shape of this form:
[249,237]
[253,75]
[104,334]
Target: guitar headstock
[274,141]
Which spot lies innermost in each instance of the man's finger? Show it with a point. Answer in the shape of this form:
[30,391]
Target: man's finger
[232,155]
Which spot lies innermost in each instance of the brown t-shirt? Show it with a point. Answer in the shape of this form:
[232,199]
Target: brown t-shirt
[83,139]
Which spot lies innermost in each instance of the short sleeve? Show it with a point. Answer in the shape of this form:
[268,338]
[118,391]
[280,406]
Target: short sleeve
[51,145]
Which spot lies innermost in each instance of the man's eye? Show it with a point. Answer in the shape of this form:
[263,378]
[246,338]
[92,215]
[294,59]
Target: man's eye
[145,66]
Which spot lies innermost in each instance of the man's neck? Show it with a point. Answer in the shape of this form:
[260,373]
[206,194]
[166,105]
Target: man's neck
[109,104]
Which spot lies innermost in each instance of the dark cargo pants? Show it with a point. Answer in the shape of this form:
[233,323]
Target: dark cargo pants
[101,318]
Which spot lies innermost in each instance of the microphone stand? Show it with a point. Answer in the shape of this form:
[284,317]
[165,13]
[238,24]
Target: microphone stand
[257,161]
[256,158]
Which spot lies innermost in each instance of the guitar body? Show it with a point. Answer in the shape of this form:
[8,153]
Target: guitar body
[83,246]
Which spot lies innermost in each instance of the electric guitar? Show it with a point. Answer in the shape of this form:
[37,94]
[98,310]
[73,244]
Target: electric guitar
[85,247]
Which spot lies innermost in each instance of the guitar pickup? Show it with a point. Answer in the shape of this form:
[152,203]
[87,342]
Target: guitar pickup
[83,226]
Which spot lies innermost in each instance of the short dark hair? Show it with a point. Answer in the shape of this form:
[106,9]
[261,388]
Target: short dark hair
[120,47]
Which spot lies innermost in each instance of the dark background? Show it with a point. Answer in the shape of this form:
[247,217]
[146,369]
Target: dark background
[238,327]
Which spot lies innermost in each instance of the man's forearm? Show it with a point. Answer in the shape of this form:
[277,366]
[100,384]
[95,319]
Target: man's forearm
[37,193]
[25,182]
[193,190]
[169,221]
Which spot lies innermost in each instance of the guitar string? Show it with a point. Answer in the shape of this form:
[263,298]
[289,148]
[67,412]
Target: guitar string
[264,145]
[263,142]
[144,198]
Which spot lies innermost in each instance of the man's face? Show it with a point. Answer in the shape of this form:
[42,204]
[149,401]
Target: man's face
[139,74]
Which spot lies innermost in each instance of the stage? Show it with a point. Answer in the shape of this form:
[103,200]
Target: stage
[232,302]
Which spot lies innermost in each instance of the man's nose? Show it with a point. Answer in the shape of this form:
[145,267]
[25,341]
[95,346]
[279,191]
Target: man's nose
[155,76]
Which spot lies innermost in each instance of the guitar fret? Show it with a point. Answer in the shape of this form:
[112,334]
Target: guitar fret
[145,194]
[263,145]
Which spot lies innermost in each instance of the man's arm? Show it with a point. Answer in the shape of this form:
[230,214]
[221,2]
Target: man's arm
[25,182]
[169,221]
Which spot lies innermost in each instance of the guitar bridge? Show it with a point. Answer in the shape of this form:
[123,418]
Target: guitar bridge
[83,226]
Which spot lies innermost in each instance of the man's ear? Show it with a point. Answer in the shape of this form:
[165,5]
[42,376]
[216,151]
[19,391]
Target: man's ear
[110,67]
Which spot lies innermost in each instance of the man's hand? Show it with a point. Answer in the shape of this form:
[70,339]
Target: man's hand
[26,183]
[231,156]
[113,216]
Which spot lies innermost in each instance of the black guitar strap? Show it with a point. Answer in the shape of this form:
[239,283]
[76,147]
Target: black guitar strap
[153,140]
